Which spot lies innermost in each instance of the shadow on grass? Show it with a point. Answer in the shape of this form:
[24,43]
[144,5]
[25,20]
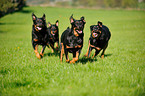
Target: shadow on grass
[10,23]
[2,31]
[106,55]
[85,60]
[51,54]
[25,11]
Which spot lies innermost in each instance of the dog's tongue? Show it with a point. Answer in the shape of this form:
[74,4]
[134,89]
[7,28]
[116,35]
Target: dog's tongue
[79,31]
[39,28]
[95,34]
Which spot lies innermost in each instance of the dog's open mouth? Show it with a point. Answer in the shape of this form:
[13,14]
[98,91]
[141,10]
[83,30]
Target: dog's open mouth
[79,31]
[95,34]
[39,28]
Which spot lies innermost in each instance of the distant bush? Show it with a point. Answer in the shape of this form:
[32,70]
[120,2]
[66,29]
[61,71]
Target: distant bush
[101,3]
[9,6]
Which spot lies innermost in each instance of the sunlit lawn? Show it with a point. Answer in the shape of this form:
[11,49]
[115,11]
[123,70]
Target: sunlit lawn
[120,73]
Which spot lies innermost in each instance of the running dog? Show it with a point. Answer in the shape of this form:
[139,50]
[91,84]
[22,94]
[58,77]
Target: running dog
[98,40]
[72,39]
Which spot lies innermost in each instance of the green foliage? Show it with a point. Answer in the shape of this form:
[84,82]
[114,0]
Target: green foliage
[105,3]
[129,3]
[141,5]
[5,5]
[9,6]
[121,3]
[120,73]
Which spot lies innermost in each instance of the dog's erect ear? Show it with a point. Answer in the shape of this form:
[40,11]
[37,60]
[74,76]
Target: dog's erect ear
[56,23]
[33,16]
[43,16]
[49,24]
[71,19]
[91,27]
[100,24]
[83,19]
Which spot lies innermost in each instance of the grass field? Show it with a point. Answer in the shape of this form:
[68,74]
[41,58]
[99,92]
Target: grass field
[120,73]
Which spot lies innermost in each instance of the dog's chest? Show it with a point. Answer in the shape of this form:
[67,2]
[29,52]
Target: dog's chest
[73,41]
[94,41]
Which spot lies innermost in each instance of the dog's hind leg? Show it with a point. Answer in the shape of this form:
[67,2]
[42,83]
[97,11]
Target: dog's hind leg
[102,55]
[89,53]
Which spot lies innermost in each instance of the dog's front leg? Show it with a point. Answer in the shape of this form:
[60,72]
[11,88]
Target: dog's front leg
[75,57]
[97,52]
[86,55]
[57,46]
[88,51]
[42,51]
[61,51]
[36,52]
[52,46]
[66,55]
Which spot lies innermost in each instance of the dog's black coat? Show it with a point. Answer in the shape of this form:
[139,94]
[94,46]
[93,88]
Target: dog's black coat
[99,38]
[53,33]
[68,38]
[72,39]
[39,34]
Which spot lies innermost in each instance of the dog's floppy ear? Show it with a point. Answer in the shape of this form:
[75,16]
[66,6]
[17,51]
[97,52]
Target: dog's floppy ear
[49,24]
[91,27]
[83,19]
[72,19]
[43,16]
[100,24]
[57,23]
[34,17]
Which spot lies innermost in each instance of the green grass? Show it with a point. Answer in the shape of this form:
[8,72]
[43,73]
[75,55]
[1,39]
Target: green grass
[120,73]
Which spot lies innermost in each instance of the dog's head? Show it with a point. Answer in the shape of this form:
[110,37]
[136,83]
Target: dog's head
[39,23]
[53,28]
[77,25]
[96,30]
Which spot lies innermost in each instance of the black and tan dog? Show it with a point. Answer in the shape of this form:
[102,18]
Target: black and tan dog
[53,33]
[72,39]
[39,34]
[98,40]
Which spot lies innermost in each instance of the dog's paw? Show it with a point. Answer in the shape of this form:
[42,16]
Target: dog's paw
[41,54]
[67,61]
[72,61]
[102,56]
[38,56]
